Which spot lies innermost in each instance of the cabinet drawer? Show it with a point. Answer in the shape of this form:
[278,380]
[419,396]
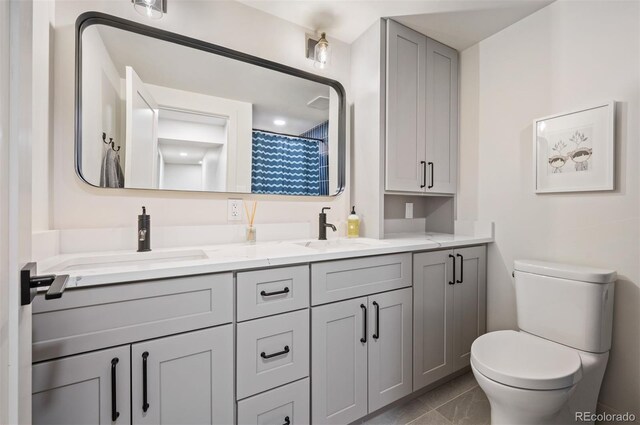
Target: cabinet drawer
[287,404]
[266,292]
[339,280]
[87,319]
[272,351]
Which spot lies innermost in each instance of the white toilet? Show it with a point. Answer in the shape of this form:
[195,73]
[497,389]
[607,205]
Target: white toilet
[553,367]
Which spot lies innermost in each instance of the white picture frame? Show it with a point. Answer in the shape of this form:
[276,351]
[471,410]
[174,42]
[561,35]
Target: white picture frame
[575,151]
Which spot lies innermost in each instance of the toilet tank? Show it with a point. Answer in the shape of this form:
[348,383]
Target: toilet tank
[571,305]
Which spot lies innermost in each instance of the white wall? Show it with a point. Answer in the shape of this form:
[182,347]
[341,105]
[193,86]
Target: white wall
[227,23]
[367,76]
[565,56]
[190,130]
[102,104]
[43,12]
[182,177]
[238,146]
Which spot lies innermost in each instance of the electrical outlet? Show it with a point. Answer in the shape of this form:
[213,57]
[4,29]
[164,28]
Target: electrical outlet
[234,210]
[408,210]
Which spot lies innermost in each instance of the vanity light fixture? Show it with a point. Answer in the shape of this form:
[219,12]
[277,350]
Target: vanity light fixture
[279,122]
[153,9]
[319,50]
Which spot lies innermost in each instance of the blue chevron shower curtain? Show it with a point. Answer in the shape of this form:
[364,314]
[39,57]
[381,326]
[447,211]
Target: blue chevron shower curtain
[285,165]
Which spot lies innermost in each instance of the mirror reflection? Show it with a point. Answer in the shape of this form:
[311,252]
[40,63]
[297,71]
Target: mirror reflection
[159,115]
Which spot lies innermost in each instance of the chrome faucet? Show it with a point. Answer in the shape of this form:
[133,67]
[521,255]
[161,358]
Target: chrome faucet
[322,230]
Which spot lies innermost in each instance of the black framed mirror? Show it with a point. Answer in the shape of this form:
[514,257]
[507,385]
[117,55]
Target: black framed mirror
[161,111]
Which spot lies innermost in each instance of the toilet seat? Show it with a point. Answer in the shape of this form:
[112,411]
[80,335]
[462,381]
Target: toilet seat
[526,361]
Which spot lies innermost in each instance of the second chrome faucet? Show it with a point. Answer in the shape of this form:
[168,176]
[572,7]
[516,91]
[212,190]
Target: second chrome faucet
[322,222]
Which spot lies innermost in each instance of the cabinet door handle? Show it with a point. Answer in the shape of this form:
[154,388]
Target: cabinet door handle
[364,334]
[279,353]
[430,168]
[424,174]
[145,402]
[453,281]
[269,294]
[461,268]
[376,335]
[287,421]
[114,406]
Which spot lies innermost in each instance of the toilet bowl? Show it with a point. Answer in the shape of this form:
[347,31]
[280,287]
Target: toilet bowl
[553,367]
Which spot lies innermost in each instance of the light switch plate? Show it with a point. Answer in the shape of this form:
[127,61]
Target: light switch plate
[408,210]
[234,210]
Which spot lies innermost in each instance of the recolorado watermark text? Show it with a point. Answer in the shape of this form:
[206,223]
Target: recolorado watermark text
[604,417]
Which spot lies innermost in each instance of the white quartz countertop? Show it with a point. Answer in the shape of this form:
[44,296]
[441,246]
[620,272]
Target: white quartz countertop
[88,269]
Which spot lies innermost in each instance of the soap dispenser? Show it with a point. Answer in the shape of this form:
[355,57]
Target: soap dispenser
[144,231]
[353,224]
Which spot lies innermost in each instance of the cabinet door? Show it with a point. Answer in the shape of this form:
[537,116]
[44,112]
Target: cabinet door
[390,347]
[84,389]
[189,378]
[406,109]
[469,302]
[339,362]
[432,316]
[442,117]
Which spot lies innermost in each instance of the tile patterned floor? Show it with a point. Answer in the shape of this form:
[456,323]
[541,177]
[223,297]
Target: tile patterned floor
[458,402]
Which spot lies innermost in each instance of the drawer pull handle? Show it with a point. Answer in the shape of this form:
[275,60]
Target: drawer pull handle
[279,353]
[287,421]
[114,406]
[431,168]
[145,402]
[376,335]
[364,333]
[269,294]
[453,281]
[461,269]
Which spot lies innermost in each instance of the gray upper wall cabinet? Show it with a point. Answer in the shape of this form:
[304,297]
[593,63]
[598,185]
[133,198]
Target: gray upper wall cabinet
[422,113]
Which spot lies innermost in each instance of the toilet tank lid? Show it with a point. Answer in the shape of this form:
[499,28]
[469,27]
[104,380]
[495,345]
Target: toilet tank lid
[566,271]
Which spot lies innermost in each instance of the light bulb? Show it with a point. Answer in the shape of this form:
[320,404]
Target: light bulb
[150,8]
[322,52]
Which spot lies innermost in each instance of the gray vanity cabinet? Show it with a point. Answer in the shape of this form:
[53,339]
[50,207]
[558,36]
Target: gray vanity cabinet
[406,108]
[469,302]
[361,356]
[339,362]
[390,347]
[83,389]
[187,378]
[442,118]
[421,113]
[449,308]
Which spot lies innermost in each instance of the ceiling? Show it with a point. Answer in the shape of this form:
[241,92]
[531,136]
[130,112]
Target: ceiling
[457,23]
[274,95]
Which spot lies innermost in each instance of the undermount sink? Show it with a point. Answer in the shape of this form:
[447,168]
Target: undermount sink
[341,244]
[129,259]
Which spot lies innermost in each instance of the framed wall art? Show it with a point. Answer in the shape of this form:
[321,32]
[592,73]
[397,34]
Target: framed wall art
[574,151]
